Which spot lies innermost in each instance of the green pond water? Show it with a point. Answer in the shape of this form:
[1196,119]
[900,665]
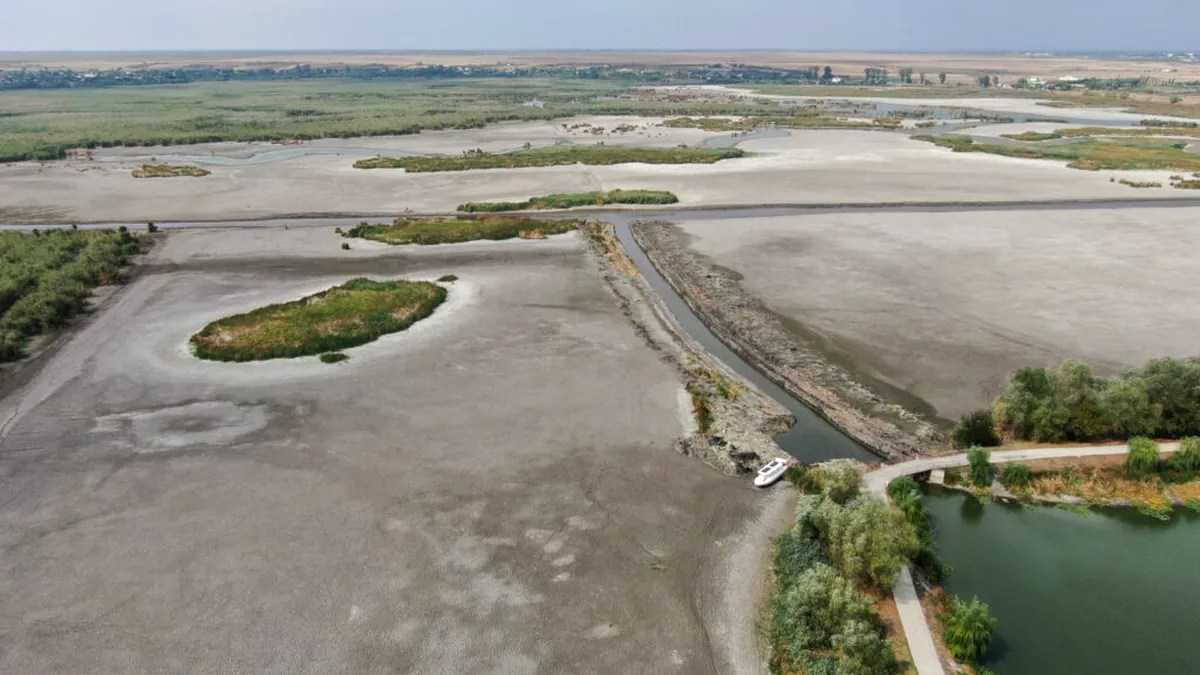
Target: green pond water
[1114,592]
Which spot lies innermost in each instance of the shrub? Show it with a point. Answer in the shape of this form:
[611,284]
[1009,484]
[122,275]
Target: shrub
[333,357]
[969,630]
[345,246]
[841,481]
[981,470]
[1187,458]
[862,650]
[976,429]
[1016,476]
[151,228]
[903,486]
[804,478]
[448,278]
[1143,455]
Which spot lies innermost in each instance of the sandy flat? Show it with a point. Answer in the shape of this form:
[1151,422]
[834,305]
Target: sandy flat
[808,166]
[493,490]
[945,305]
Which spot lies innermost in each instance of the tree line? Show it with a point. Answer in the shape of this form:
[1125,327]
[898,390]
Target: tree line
[1071,403]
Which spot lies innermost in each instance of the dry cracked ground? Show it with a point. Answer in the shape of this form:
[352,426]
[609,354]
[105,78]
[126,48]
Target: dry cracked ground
[492,491]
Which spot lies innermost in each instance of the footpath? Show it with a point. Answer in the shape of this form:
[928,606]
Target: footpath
[912,616]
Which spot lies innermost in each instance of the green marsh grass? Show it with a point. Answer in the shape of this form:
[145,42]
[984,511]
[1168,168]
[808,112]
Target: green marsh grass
[576,199]
[428,231]
[355,313]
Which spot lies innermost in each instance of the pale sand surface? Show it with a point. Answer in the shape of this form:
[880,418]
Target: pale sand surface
[945,305]
[827,166]
[494,490]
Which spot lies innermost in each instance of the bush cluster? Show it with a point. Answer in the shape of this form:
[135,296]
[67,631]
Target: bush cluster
[976,429]
[906,494]
[46,278]
[820,621]
[1070,403]
[572,200]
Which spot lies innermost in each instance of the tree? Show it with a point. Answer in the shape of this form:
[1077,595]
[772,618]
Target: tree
[981,468]
[906,75]
[1143,456]
[1028,390]
[1078,390]
[1127,408]
[1174,384]
[995,80]
[941,78]
[816,607]
[1187,458]
[924,80]
[969,630]
[976,429]
[867,540]
[985,81]
[828,74]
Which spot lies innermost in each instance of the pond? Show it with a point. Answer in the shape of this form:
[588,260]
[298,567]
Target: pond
[1114,592]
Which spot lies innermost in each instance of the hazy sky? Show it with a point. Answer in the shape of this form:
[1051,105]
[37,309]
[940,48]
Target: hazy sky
[915,25]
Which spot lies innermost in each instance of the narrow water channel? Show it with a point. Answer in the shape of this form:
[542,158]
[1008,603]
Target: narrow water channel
[1112,593]
[811,438]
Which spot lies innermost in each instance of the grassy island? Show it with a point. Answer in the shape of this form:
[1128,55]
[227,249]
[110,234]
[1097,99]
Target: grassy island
[803,119]
[168,171]
[458,230]
[1033,136]
[558,155]
[355,313]
[1092,154]
[572,200]
[46,278]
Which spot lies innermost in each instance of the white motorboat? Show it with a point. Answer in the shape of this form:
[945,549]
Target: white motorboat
[771,472]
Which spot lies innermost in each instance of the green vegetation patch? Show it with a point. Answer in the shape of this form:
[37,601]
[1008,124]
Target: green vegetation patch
[355,313]
[1092,154]
[1140,183]
[427,231]
[845,548]
[1083,132]
[1032,136]
[804,119]
[46,278]
[558,155]
[45,124]
[168,171]
[572,200]
[334,357]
